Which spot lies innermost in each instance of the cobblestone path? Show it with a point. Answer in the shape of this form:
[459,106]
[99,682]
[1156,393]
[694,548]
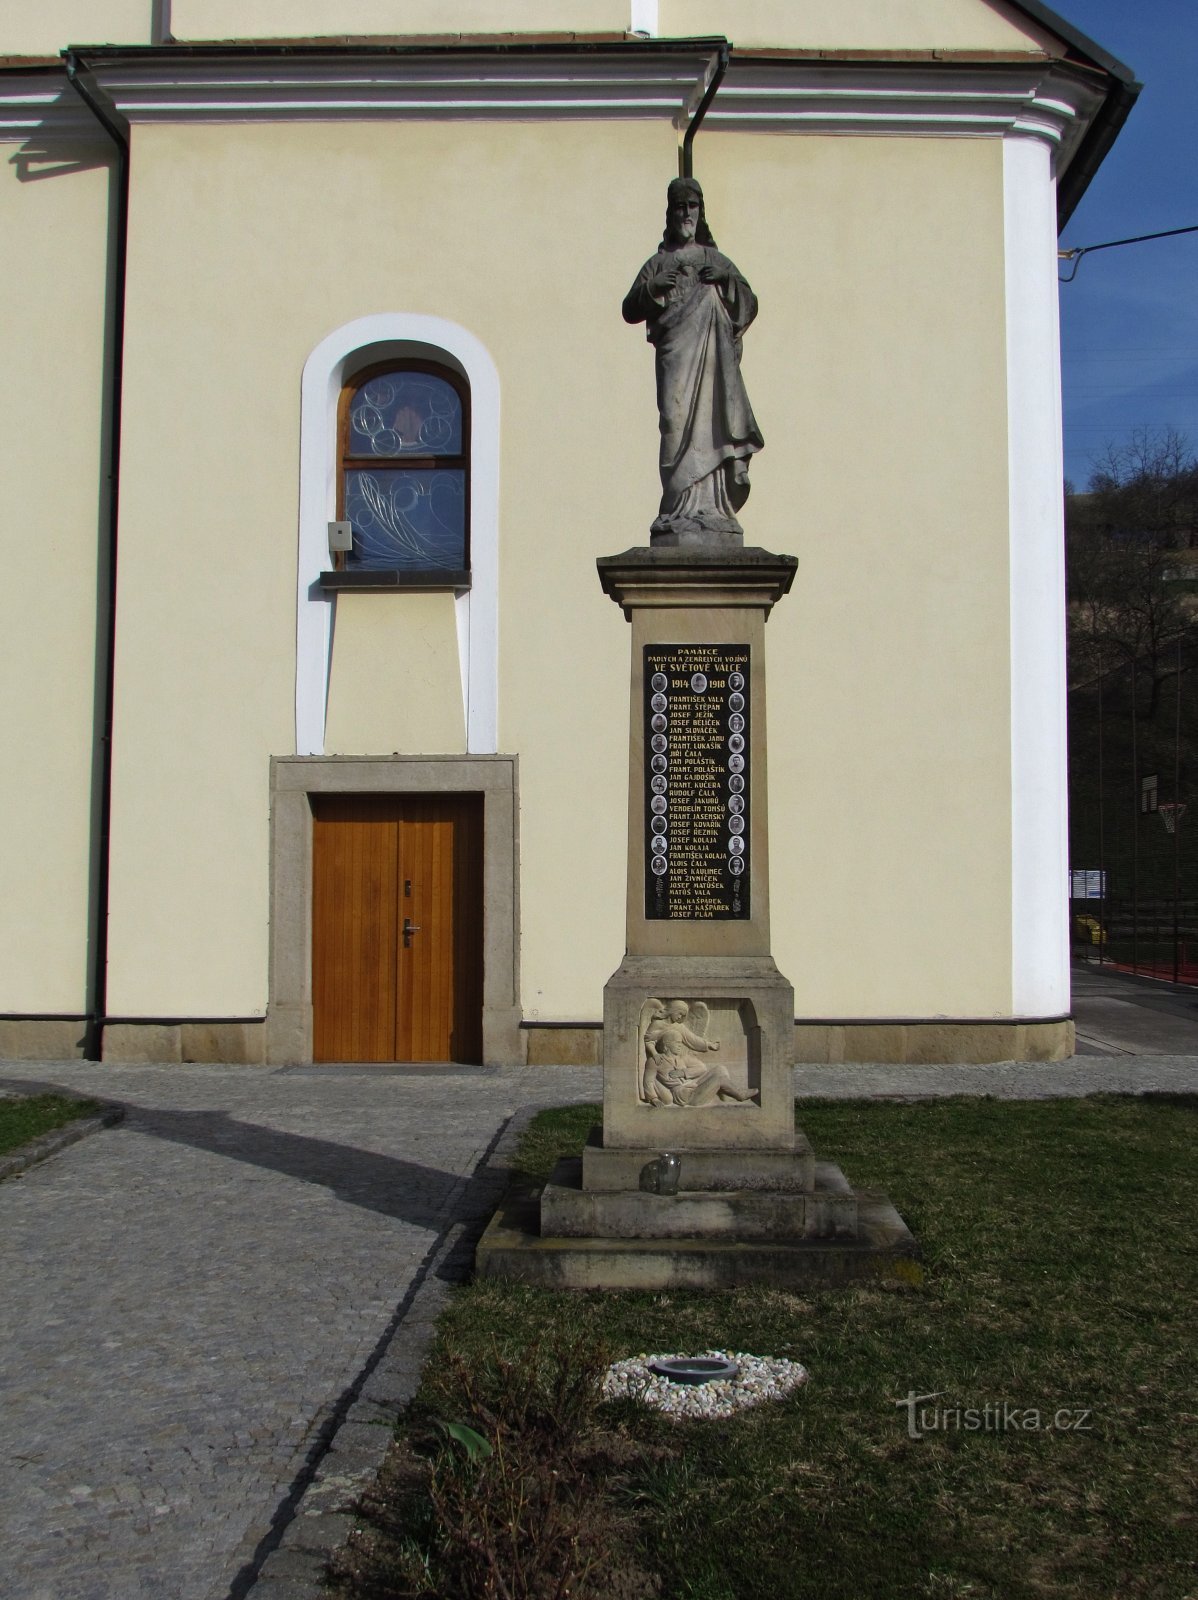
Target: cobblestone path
[188,1297]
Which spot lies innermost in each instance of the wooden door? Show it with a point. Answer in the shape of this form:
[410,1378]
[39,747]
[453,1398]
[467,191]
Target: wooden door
[397,928]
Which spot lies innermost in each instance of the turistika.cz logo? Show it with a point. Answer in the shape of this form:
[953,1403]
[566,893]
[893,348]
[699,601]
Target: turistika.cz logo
[995,1416]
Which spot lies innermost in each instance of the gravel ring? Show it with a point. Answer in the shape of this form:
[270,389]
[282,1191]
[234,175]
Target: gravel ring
[760,1378]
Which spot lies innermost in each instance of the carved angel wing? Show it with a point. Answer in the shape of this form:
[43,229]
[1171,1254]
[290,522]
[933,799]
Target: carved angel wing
[699,1015]
[651,1011]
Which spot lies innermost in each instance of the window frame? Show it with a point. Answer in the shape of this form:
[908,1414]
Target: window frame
[456,579]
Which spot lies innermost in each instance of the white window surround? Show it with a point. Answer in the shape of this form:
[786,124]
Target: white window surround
[1039,795]
[379,337]
[644,18]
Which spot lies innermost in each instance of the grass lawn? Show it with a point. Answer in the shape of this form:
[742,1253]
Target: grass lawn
[1058,1241]
[25,1117]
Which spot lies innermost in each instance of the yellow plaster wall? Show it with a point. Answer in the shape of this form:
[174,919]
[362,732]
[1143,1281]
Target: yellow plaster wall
[876,371]
[302,19]
[395,682]
[243,256]
[44,27]
[53,265]
[877,375]
[858,24]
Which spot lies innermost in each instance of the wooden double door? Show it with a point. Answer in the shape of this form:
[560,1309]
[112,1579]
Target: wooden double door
[397,919]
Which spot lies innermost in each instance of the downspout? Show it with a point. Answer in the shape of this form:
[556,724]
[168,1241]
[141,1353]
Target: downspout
[705,92]
[117,129]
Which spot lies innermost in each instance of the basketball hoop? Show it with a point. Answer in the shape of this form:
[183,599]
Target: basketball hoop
[1171,813]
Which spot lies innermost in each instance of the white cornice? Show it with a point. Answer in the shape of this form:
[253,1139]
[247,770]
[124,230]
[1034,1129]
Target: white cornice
[36,105]
[353,88]
[1039,99]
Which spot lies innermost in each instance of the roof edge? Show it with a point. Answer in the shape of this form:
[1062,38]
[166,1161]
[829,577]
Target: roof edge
[424,44]
[1055,23]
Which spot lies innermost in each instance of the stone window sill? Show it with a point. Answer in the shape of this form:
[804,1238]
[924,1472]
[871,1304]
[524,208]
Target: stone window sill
[396,580]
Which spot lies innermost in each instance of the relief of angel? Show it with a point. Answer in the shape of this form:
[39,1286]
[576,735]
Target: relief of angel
[671,1073]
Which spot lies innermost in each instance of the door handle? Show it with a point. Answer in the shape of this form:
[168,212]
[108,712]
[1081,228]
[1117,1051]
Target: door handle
[409,928]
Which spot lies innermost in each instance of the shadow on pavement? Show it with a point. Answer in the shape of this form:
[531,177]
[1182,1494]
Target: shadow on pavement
[390,1185]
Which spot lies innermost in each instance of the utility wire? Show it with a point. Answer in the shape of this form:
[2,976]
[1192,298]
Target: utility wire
[1077,253]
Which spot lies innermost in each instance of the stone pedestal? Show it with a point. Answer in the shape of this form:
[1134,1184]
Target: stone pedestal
[698,1023]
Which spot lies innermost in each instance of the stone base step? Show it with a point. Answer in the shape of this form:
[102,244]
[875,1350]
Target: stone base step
[570,1211]
[513,1247]
[609,1170]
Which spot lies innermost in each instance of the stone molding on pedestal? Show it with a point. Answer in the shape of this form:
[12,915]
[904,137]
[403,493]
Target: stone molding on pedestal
[696,576]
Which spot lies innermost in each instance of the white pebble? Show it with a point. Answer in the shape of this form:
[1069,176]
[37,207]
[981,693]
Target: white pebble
[759,1378]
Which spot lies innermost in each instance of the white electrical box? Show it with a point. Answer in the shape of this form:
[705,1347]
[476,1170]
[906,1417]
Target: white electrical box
[341,536]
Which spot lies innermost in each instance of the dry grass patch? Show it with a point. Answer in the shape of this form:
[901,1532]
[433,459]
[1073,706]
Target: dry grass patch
[1060,1275]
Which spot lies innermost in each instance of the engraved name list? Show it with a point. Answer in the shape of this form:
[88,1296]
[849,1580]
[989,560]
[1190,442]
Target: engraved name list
[697,781]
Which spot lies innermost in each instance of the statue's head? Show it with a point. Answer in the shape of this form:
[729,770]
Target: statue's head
[677,1011]
[686,219]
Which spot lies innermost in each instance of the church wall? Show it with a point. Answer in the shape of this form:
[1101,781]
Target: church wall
[247,247]
[859,25]
[395,679]
[53,262]
[893,372]
[800,24]
[303,19]
[44,27]
[877,372]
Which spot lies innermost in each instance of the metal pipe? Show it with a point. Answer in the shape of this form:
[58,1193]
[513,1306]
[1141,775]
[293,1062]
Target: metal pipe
[1135,829]
[117,129]
[706,89]
[1177,809]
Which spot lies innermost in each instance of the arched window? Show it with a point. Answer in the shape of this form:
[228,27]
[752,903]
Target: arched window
[397,341]
[404,479]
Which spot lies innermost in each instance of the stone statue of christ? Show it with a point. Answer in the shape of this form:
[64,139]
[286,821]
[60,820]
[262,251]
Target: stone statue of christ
[696,306]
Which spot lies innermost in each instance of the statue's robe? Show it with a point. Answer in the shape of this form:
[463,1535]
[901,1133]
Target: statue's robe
[708,431]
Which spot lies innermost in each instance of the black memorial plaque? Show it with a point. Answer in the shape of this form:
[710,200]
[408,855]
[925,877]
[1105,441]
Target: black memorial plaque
[697,782]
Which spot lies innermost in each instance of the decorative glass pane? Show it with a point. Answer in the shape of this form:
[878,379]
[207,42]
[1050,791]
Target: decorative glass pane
[405,518]
[405,414]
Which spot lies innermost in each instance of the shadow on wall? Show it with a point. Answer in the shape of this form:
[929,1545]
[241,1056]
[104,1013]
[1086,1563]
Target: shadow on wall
[40,157]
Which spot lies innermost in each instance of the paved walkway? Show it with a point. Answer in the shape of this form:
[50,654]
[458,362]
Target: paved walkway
[194,1300]
[191,1297]
[1119,1014]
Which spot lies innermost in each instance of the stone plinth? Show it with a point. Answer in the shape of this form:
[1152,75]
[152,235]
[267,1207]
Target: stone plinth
[514,1247]
[750,1016]
[570,1211]
[606,1169]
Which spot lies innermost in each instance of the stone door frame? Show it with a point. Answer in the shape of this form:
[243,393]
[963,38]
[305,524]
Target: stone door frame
[292,780]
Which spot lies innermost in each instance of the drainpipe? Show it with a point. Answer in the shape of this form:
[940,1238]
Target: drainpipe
[117,130]
[704,93]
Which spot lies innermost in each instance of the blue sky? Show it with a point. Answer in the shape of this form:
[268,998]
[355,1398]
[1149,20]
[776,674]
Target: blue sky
[1129,322]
